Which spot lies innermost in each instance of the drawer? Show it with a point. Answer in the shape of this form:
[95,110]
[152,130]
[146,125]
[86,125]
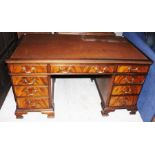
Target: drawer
[33,103]
[120,90]
[133,69]
[28,68]
[79,68]
[116,101]
[129,79]
[22,91]
[18,80]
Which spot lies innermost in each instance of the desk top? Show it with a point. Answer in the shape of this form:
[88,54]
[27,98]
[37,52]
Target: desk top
[66,47]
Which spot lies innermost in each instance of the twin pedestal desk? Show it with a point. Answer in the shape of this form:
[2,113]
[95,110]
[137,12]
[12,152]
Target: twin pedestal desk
[118,68]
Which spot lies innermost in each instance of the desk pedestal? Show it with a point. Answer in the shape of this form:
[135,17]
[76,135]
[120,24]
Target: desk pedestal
[116,96]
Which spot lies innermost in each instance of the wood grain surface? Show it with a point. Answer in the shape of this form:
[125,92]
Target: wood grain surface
[23,91]
[24,81]
[33,103]
[119,101]
[120,90]
[68,47]
[132,69]
[86,68]
[28,68]
[127,79]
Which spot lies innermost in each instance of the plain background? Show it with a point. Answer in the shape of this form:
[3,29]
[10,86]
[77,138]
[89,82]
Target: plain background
[72,137]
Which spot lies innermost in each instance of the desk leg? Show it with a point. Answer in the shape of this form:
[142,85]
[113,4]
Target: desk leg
[19,114]
[132,111]
[50,112]
[153,120]
[104,86]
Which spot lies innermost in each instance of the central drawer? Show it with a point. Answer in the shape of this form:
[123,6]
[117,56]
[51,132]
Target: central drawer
[22,91]
[81,68]
[125,90]
[33,103]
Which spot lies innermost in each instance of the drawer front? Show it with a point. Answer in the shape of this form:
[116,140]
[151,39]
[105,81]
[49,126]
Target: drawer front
[18,80]
[63,69]
[133,69]
[125,90]
[34,103]
[121,101]
[22,91]
[28,69]
[129,79]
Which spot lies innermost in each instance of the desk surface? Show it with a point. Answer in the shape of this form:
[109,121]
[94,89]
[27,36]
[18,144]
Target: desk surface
[64,47]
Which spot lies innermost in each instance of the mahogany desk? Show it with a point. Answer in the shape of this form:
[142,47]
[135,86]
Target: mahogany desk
[119,69]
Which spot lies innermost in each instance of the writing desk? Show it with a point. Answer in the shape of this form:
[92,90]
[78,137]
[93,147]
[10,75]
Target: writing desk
[119,69]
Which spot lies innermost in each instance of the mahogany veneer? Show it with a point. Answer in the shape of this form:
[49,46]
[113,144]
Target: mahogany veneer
[33,103]
[128,79]
[126,90]
[132,69]
[82,68]
[120,101]
[31,81]
[119,69]
[28,68]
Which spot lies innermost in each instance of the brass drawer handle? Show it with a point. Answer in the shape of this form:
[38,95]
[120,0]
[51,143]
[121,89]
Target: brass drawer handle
[129,81]
[30,91]
[129,91]
[132,81]
[98,70]
[133,69]
[105,69]
[28,71]
[29,83]
[29,102]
